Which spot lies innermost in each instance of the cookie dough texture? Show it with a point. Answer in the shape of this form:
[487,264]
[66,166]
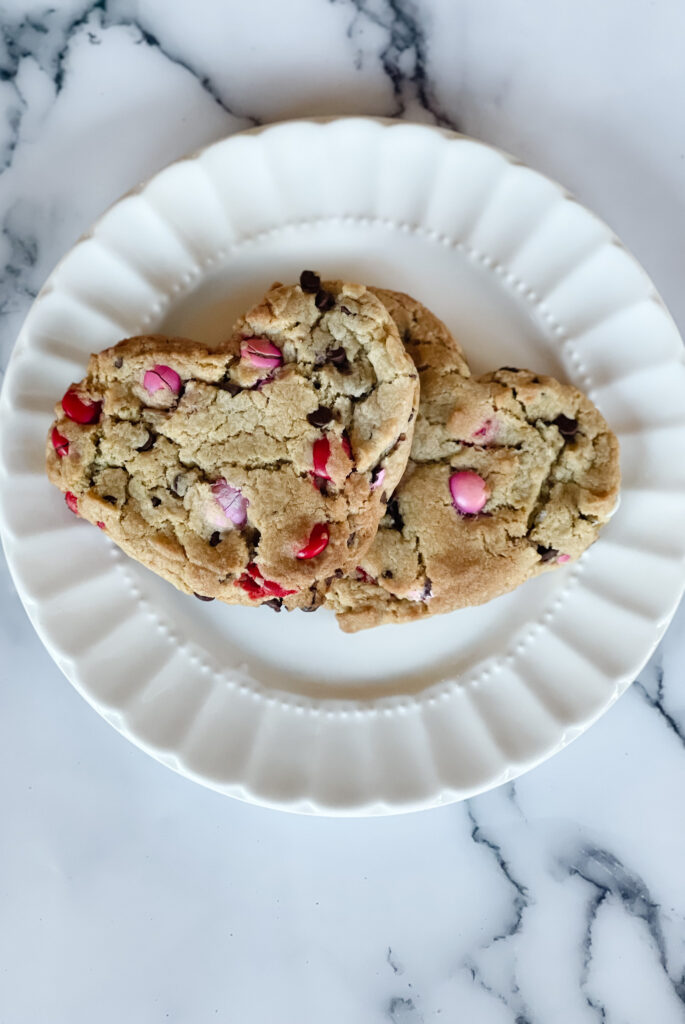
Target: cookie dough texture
[146,468]
[551,468]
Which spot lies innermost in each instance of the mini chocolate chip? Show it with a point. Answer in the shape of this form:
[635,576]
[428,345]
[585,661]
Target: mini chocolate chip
[215,539]
[338,574]
[351,539]
[387,575]
[201,597]
[310,282]
[547,554]
[324,300]
[393,510]
[320,417]
[109,498]
[155,501]
[566,426]
[427,589]
[118,362]
[147,445]
[230,386]
[317,385]
[276,603]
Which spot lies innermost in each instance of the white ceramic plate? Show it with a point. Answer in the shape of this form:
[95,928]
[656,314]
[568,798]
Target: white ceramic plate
[286,710]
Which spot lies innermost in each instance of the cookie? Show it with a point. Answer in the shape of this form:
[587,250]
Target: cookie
[250,474]
[433,349]
[510,476]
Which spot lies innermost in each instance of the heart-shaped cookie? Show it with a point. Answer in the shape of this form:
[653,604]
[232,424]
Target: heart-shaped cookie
[250,474]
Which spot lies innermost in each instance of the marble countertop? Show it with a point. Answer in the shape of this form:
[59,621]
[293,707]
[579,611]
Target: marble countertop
[131,894]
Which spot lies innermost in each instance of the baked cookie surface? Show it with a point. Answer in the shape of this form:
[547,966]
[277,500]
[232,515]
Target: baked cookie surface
[510,475]
[250,473]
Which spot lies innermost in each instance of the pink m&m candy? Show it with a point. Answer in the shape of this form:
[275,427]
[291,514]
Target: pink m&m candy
[377,478]
[159,377]
[232,502]
[469,492]
[261,352]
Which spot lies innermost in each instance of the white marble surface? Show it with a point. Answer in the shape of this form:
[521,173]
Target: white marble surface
[130,894]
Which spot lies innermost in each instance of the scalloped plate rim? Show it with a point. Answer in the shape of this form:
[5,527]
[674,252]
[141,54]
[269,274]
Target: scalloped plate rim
[306,805]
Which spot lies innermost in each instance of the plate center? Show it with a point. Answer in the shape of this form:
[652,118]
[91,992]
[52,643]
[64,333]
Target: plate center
[308,654]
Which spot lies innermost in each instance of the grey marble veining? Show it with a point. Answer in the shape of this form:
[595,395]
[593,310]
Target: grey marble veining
[129,893]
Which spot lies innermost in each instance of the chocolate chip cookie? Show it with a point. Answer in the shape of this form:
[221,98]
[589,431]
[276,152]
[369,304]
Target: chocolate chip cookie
[510,475]
[251,473]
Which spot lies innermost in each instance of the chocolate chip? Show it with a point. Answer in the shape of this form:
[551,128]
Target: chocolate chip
[547,554]
[147,445]
[317,385]
[320,417]
[253,540]
[324,300]
[351,539]
[201,597]
[566,426]
[316,599]
[276,603]
[427,589]
[155,501]
[393,510]
[109,498]
[338,356]
[230,386]
[338,574]
[215,539]
[387,575]
[310,282]
[118,362]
